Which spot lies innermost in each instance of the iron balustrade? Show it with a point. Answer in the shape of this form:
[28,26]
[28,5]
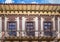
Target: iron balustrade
[6,33]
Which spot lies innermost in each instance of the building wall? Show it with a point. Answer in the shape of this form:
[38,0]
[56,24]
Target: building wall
[22,19]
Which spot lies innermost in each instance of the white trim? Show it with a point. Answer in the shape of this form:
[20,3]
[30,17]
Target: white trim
[53,19]
[23,26]
[36,26]
[0,27]
[17,19]
[58,27]
[6,19]
[5,23]
[42,32]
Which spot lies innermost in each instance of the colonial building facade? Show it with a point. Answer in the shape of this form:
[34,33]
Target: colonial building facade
[29,22]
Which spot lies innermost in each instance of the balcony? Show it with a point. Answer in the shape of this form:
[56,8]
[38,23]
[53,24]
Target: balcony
[8,37]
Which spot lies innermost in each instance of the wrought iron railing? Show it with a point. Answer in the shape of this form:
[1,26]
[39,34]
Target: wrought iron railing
[5,34]
[23,33]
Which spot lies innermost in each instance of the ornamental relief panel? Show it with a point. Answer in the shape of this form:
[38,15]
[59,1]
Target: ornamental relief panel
[47,18]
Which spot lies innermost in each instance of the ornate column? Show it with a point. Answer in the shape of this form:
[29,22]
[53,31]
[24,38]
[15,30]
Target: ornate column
[17,19]
[23,26]
[53,19]
[58,27]
[0,27]
[36,26]
[54,29]
[5,23]
[42,32]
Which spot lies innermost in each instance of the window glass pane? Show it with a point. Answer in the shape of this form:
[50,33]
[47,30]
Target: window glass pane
[12,25]
[12,28]
[30,28]
[45,23]
[45,27]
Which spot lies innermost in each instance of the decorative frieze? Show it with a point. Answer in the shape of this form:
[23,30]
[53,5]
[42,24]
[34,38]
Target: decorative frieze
[30,12]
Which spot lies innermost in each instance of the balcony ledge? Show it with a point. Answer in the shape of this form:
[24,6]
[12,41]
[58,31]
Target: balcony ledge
[12,38]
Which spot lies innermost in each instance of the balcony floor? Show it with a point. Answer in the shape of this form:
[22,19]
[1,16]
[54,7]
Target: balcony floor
[12,38]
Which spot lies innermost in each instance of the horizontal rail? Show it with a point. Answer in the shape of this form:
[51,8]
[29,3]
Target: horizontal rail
[26,37]
[25,33]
